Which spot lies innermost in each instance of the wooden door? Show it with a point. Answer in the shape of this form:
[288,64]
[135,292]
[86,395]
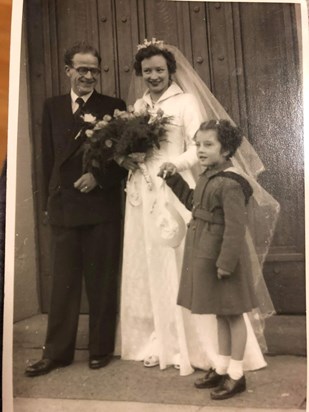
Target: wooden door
[247,54]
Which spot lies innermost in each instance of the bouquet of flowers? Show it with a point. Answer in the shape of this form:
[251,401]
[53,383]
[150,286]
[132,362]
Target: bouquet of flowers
[127,133]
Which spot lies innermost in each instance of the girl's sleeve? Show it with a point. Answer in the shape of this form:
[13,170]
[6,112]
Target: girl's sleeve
[181,189]
[191,122]
[235,218]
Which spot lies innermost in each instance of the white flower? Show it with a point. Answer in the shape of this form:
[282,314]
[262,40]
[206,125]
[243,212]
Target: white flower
[89,133]
[108,143]
[107,118]
[89,118]
[100,125]
[122,114]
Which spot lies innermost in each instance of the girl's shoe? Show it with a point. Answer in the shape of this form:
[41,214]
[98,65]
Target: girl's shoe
[211,380]
[151,361]
[228,388]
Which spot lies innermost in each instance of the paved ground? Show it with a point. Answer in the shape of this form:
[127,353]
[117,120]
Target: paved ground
[56,405]
[128,386]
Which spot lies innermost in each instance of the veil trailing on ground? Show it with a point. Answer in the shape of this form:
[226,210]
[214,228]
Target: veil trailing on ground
[263,208]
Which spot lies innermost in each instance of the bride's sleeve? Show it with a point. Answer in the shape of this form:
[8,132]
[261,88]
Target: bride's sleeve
[139,106]
[192,119]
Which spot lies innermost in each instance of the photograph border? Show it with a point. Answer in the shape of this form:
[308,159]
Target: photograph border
[15,47]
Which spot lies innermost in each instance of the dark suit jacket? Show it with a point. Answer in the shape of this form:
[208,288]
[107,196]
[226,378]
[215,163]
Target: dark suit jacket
[62,165]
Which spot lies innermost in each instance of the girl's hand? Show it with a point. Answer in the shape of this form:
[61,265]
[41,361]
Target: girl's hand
[167,169]
[222,274]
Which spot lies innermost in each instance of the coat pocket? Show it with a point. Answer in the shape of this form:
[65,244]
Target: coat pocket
[209,244]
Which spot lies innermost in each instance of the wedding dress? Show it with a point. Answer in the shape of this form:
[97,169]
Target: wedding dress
[151,322]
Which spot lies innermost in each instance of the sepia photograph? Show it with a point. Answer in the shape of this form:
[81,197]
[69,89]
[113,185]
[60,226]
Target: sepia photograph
[155,207]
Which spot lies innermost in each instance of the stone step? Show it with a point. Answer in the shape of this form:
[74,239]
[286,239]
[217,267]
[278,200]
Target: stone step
[285,335]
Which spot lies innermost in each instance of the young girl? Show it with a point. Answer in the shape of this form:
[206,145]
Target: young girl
[216,276]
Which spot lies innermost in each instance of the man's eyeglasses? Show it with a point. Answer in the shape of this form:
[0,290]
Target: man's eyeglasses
[83,71]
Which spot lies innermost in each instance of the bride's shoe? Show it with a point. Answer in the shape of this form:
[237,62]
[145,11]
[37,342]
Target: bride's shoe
[176,361]
[151,361]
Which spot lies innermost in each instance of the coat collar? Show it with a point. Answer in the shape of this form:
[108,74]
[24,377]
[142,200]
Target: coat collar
[217,169]
[172,90]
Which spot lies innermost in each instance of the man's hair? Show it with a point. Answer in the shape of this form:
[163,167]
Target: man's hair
[229,136]
[80,47]
[150,51]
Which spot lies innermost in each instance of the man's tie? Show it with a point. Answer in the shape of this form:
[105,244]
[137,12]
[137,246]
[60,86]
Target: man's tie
[79,111]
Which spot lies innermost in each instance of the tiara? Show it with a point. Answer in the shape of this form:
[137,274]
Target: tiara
[152,42]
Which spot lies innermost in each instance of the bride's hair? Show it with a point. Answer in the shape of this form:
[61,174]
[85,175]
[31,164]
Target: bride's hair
[150,51]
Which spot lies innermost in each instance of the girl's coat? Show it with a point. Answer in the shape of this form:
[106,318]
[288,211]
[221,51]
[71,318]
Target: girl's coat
[215,239]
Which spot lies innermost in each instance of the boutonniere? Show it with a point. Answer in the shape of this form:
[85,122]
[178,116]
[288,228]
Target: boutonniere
[89,123]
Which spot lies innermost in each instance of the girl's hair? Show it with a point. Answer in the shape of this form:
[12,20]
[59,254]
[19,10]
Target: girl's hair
[229,136]
[150,51]
[80,47]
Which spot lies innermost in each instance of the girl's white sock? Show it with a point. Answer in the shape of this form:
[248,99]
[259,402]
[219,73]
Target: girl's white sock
[222,364]
[235,369]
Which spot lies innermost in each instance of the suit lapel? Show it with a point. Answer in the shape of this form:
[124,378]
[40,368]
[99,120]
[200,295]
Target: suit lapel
[93,106]
[72,129]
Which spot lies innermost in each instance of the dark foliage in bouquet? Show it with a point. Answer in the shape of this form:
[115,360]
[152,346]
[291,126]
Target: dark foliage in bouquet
[142,133]
[122,135]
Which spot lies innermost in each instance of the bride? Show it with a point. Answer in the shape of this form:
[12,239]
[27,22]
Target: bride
[153,328]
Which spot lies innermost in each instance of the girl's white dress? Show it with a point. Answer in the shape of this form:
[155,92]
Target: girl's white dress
[151,322]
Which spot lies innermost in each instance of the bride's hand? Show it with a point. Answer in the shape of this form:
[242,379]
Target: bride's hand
[129,164]
[167,169]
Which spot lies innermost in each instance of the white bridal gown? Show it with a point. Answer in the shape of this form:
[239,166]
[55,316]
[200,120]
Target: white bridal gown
[151,322]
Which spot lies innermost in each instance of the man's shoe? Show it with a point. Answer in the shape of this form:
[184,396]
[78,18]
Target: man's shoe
[228,388]
[211,380]
[44,366]
[97,362]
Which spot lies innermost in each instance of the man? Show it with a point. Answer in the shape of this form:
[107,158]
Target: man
[84,211]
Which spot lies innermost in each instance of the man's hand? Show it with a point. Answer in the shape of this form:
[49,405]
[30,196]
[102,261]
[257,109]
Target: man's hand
[85,183]
[167,169]
[129,164]
[223,274]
